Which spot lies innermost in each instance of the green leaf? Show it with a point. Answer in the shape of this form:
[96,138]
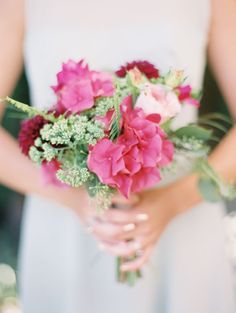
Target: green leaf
[115,121]
[196,94]
[208,190]
[30,111]
[213,124]
[166,126]
[217,116]
[195,131]
[207,173]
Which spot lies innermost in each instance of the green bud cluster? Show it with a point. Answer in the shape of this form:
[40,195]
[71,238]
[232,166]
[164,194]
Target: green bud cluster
[72,130]
[74,177]
[103,105]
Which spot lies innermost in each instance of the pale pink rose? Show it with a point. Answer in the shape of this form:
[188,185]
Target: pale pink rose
[159,99]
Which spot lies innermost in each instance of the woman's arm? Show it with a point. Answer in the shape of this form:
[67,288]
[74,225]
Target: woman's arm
[17,171]
[222,49]
[222,56]
[11,35]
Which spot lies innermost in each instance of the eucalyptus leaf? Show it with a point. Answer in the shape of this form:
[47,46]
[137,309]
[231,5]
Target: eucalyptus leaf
[209,190]
[195,131]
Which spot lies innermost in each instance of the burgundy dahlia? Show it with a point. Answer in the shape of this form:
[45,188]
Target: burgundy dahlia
[145,67]
[30,130]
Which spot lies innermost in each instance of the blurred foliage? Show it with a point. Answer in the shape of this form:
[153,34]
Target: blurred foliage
[213,100]
[10,201]
[12,125]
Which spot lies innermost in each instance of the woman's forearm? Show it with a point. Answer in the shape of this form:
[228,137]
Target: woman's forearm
[16,171]
[222,159]
[19,173]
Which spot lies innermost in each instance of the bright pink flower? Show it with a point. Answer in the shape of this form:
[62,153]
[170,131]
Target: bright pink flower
[49,170]
[77,96]
[167,153]
[102,84]
[146,178]
[105,159]
[145,67]
[184,94]
[77,87]
[132,163]
[71,71]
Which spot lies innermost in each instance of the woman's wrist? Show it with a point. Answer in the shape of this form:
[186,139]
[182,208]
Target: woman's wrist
[185,193]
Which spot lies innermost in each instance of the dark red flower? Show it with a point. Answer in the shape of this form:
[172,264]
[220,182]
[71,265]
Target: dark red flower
[145,67]
[29,131]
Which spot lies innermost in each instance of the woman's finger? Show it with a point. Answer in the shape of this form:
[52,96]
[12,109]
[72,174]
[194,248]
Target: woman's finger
[106,231]
[129,232]
[117,232]
[125,216]
[130,248]
[138,263]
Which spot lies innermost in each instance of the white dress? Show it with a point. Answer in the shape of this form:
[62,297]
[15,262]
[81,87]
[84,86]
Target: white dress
[61,268]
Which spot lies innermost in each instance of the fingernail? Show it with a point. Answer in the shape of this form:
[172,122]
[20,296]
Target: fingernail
[101,247]
[137,245]
[142,217]
[124,268]
[129,227]
[89,229]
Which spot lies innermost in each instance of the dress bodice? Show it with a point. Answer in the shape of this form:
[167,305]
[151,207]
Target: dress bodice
[107,33]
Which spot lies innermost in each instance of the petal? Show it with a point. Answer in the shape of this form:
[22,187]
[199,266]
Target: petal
[144,179]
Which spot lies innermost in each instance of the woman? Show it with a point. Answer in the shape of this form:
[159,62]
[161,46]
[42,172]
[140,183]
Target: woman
[182,237]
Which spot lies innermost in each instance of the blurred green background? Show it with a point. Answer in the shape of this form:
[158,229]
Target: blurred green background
[11,203]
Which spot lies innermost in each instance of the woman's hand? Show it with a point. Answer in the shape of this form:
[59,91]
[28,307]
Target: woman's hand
[136,229]
[78,200]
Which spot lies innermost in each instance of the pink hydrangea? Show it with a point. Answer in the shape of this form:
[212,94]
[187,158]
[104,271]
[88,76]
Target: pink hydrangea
[78,87]
[102,84]
[133,162]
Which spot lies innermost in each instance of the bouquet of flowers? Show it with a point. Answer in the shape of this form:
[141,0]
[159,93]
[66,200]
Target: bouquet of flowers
[113,133]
